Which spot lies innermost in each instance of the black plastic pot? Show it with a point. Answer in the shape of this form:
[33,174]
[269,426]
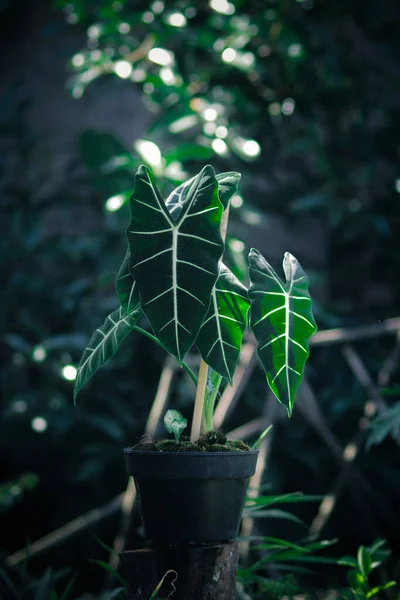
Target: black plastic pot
[191,497]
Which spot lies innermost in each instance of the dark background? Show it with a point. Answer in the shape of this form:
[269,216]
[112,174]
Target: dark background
[321,97]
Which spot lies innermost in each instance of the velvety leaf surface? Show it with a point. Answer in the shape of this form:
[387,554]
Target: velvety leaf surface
[104,343]
[282,321]
[175,261]
[221,332]
[227,186]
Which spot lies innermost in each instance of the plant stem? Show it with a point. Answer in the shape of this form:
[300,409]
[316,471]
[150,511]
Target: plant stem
[183,364]
[199,417]
[213,382]
[199,402]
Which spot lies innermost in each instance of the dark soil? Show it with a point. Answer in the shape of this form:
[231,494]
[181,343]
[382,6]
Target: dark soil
[211,441]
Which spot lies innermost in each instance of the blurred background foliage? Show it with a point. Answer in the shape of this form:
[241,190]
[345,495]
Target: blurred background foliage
[303,98]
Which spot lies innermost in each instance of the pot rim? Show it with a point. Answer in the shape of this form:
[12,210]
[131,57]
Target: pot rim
[202,454]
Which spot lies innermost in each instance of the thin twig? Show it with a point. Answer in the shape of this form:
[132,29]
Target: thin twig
[352,449]
[63,533]
[390,363]
[229,398]
[357,366]
[352,334]
[244,432]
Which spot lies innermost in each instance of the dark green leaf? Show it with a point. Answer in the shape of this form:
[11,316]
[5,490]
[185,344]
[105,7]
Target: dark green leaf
[221,333]
[185,152]
[364,561]
[175,260]
[282,321]
[104,343]
[356,580]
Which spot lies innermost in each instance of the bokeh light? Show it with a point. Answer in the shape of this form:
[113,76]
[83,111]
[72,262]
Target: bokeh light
[149,151]
[251,148]
[69,372]
[229,55]
[39,354]
[123,69]
[219,146]
[78,60]
[115,202]
[176,19]
[39,424]
[160,56]
[223,7]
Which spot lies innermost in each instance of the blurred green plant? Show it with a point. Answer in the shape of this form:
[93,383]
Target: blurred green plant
[384,425]
[368,559]
[13,491]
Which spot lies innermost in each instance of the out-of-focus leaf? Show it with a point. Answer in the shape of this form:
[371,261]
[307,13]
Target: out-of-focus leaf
[185,152]
[384,425]
[98,149]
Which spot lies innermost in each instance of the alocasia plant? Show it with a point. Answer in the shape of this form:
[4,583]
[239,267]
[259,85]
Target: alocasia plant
[174,277]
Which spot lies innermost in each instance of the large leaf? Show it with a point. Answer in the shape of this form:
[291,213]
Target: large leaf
[104,343]
[227,186]
[221,332]
[282,321]
[174,260]
[127,289]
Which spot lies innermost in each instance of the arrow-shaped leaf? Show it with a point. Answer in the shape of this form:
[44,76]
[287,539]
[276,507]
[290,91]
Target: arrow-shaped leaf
[221,332]
[227,186]
[282,321]
[175,261]
[104,343]
[127,290]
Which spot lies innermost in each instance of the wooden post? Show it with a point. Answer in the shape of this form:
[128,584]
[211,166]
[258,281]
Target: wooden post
[186,572]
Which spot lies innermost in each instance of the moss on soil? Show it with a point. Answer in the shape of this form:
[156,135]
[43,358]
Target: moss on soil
[211,441]
[173,446]
[210,438]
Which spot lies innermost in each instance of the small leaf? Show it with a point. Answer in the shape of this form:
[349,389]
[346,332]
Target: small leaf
[175,423]
[348,561]
[109,569]
[388,423]
[364,561]
[380,588]
[356,580]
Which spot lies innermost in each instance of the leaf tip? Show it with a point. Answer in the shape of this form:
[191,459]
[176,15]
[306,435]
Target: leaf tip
[253,253]
[208,170]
